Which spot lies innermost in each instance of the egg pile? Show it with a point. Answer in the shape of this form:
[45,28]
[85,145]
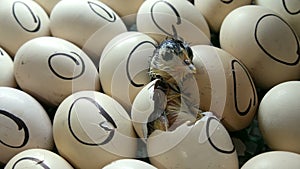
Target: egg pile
[75,90]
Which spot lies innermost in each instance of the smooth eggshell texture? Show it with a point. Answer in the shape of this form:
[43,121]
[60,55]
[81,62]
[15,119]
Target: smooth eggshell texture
[36,159]
[24,124]
[48,5]
[158,18]
[279,116]
[7,77]
[289,10]
[129,164]
[126,9]
[51,69]
[225,87]
[90,24]
[274,160]
[264,43]
[91,130]
[124,64]
[215,11]
[21,20]
[205,144]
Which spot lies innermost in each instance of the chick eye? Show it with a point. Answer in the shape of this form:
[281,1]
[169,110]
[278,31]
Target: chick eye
[167,56]
[187,61]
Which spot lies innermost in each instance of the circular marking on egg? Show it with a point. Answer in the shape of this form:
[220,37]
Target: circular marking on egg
[175,12]
[209,126]
[35,161]
[69,56]
[226,1]
[36,19]
[128,61]
[268,51]
[21,126]
[235,88]
[111,17]
[108,126]
[288,10]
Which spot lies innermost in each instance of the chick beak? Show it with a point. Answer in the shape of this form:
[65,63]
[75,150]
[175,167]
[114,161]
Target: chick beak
[192,68]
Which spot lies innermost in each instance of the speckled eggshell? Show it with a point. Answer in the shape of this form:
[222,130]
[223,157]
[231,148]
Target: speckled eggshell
[90,24]
[225,87]
[48,5]
[289,10]
[205,144]
[279,116]
[21,20]
[50,69]
[159,18]
[36,159]
[130,164]
[124,65]
[24,124]
[91,130]
[264,43]
[7,77]
[126,9]
[215,11]
[274,160]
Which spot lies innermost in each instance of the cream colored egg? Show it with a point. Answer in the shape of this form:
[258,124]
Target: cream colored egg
[50,69]
[126,9]
[264,43]
[225,87]
[161,18]
[205,144]
[289,10]
[36,159]
[21,20]
[124,64]
[129,164]
[273,160]
[24,124]
[91,130]
[90,24]
[278,117]
[48,5]
[215,11]
[7,77]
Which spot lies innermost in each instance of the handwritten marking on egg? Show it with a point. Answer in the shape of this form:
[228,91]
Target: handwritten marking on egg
[129,59]
[21,126]
[288,8]
[212,125]
[111,17]
[35,161]
[69,56]
[175,12]
[267,49]
[108,125]
[20,18]
[226,1]
[1,53]
[234,66]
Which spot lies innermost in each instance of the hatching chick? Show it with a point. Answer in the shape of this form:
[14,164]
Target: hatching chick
[171,63]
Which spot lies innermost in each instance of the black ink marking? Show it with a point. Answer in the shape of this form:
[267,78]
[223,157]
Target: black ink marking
[235,86]
[128,61]
[70,57]
[1,53]
[21,126]
[38,162]
[36,18]
[111,17]
[226,1]
[175,12]
[288,10]
[102,124]
[211,142]
[270,55]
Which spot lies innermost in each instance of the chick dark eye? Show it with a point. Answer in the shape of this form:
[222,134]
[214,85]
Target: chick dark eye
[167,56]
[187,61]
